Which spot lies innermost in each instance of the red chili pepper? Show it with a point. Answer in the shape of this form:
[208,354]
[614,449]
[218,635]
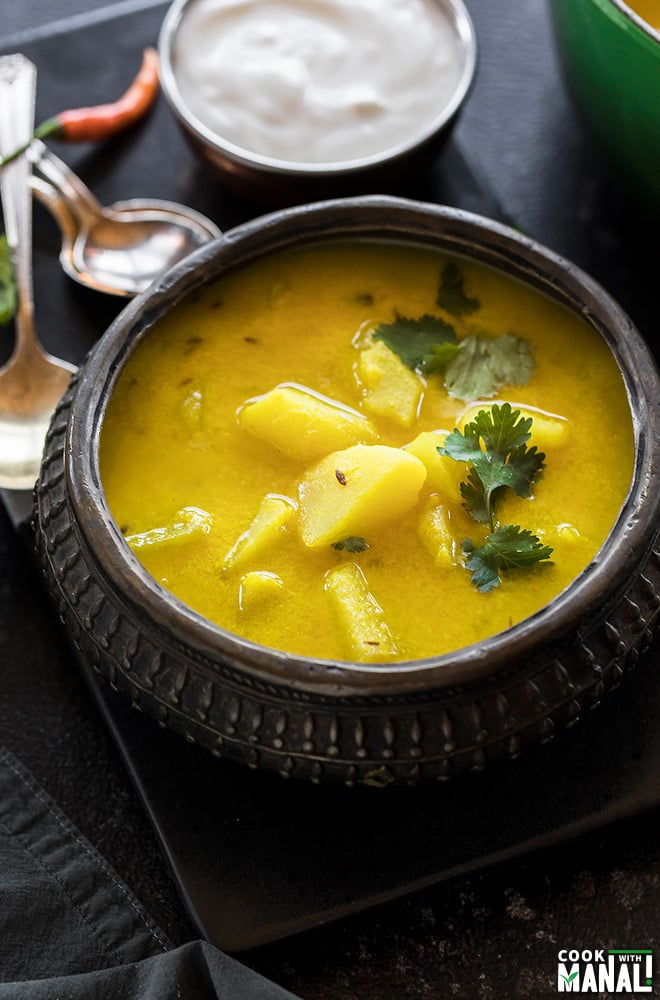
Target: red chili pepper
[104,120]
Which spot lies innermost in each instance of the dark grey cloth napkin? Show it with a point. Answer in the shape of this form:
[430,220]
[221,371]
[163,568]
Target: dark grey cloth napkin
[70,929]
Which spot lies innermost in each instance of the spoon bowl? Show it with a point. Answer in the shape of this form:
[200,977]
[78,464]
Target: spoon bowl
[131,244]
[32,382]
[121,249]
[31,385]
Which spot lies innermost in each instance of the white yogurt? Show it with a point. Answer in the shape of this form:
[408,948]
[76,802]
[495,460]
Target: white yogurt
[314,81]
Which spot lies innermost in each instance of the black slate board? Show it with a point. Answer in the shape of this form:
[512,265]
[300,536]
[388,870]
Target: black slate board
[257,858]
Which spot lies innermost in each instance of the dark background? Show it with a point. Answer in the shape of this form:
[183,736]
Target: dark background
[491,934]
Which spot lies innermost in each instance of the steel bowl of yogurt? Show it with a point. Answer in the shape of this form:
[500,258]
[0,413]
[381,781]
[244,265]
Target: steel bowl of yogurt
[297,98]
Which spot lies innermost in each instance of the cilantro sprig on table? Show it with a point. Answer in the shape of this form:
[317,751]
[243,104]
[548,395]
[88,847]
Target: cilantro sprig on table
[494,445]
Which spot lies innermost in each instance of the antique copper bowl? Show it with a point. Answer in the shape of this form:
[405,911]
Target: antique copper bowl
[341,721]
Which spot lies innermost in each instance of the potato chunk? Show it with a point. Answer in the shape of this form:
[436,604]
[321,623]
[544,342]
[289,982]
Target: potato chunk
[257,587]
[443,473]
[359,615]
[353,491]
[304,424]
[189,522]
[441,529]
[390,388]
[548,430]
[436,536]
[272,515]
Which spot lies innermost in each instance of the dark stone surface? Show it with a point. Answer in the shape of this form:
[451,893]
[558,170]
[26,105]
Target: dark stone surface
[489,935]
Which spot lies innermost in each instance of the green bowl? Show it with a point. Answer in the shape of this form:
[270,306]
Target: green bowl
[611,59]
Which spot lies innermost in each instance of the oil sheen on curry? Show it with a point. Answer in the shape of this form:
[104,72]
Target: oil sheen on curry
[367,451]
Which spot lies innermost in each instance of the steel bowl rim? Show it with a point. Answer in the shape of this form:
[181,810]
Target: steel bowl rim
[267,165]
[567,613]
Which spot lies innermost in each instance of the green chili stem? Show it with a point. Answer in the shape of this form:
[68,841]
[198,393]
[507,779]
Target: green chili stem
[50,127]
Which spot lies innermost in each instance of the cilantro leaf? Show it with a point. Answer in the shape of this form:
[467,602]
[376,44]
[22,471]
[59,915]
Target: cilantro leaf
[351,544]
[451,295]
[488,475]
[494,445]
[414,340]
[510,547]
[475,498]
[8,301]
[522,468]
[511,358]
[474,367]
[439,357]
[463,446]
[501,428]
[483,364]
[468,376]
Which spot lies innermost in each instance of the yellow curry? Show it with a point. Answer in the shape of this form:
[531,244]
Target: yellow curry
[277,456]
[648,10]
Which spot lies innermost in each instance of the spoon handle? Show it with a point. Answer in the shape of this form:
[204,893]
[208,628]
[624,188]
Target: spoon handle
[56,204]
[17,99]
[74,194]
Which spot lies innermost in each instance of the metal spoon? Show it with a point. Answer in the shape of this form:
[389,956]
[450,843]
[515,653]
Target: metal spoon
[120,249]
[32,382]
